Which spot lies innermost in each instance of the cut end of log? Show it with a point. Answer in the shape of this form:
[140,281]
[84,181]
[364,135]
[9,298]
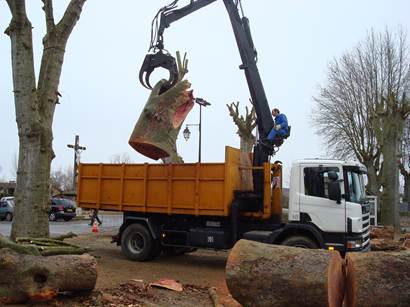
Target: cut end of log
[350,298]
[148,149]
[336,280]
[42,295]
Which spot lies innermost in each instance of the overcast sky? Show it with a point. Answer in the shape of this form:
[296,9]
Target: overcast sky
[102,98]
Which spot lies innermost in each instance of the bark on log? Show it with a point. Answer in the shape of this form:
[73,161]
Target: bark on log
[383,232]
[259,274]
[28,277]
[158,126]
[386,245]
[378,279]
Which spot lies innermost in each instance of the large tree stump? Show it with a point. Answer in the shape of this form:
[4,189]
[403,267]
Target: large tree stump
[378,279]
[259,274]
[28,277]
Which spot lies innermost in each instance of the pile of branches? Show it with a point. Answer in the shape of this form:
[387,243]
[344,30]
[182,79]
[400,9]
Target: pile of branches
[43,246]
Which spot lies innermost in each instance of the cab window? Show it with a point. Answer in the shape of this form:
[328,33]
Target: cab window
[316,180]
[355,186]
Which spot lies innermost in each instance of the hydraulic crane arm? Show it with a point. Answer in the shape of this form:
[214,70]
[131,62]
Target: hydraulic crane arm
[240,26]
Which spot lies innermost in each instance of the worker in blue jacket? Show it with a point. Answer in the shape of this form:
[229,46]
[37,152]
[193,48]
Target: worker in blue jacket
[281,125]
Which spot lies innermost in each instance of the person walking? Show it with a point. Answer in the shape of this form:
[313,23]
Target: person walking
[94,217]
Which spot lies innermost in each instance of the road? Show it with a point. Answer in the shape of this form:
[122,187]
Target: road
[78,226]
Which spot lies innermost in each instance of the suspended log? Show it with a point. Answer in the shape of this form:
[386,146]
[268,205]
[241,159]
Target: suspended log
[260,274]
[378,279]
[158,126]
[27,277]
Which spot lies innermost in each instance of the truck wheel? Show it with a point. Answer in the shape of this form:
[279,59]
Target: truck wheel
[137,243]
[300,241]
[9,217]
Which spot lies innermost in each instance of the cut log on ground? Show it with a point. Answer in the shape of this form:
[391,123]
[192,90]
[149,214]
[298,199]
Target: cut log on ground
[260,274]
[386,245]
[378,279]
[382,232]
[27,277]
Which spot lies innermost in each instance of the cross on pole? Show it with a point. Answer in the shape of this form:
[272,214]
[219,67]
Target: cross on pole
[77,149]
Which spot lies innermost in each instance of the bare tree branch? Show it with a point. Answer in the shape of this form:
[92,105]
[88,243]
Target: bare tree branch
[70,18]
[48,10]
[360,96]
[17,9]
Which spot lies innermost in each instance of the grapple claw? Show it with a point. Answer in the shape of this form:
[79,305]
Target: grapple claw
[155,60]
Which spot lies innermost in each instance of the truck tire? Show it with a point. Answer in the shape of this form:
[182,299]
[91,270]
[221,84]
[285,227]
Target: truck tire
[9,217]
[300,241]
[137,243]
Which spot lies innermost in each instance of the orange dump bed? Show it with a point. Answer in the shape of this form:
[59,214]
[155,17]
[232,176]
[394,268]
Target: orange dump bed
[194,189]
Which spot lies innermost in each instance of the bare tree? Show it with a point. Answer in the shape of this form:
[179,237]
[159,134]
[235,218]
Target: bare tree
[121,158]
[246,124]
[361,111]
[404,163]
[62,180]
[35,105]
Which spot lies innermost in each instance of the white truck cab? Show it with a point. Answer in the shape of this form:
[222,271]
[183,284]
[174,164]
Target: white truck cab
[330,195]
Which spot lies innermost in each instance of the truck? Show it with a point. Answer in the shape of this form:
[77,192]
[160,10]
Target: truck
[175,208]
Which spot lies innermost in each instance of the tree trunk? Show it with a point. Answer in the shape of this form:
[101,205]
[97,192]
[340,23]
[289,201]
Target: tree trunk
[373,186]
[392,128]
[245,125]
[35,110]
[259,274]
[378,279]
[27,277]
[406,195]
[245,162]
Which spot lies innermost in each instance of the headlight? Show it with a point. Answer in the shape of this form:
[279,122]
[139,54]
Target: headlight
[354,244]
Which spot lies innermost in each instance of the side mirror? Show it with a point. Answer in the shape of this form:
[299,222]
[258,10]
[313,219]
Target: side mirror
[334,191]
[332,175]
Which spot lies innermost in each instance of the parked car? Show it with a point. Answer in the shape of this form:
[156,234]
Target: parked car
[62,208]
[6,209]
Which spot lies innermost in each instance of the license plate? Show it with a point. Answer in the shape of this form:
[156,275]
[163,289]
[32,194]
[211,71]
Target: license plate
[70,210]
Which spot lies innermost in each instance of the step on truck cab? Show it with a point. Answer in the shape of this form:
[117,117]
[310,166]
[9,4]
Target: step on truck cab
[180,207]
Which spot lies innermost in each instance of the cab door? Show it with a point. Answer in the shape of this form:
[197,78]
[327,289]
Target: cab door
[328,215]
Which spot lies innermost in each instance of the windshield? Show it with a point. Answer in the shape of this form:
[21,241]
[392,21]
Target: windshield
[355,182]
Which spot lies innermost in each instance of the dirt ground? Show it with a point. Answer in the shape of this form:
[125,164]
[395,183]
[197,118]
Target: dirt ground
[122,282]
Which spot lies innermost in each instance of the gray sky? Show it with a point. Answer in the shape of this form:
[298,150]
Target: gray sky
[102,98]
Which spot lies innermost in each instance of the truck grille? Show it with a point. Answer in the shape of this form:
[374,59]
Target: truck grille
[365,225]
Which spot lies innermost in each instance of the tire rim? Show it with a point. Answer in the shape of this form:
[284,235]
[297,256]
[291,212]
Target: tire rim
[52,217]
[136,243]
